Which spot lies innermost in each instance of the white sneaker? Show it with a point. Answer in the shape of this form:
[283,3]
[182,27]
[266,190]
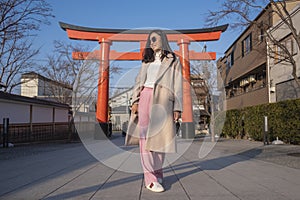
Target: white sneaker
[155,187]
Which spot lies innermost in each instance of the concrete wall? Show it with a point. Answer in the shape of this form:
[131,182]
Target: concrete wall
[253,98]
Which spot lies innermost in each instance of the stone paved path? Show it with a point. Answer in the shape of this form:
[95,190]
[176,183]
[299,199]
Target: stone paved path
[233,169]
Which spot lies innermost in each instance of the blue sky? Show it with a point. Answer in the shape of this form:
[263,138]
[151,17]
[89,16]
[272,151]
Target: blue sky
[166,14]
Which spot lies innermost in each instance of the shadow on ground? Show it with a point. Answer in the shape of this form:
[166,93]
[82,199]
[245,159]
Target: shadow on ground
[194,166]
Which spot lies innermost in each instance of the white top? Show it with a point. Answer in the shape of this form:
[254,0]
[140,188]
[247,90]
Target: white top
[152,71]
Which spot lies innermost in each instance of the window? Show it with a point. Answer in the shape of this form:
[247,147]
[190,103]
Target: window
[230,61]
[231,58]
[261,35]
[247,45]
[291,47]
[118,120]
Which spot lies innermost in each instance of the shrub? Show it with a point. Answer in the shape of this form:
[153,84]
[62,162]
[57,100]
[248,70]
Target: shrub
[283,122]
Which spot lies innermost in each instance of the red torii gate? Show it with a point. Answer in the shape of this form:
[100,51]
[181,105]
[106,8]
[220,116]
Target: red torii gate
[105,37]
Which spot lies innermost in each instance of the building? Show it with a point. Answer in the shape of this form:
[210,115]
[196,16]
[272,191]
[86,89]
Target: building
[120,108]
[244,67]
[201,102]
[120,104]
[32,119]
[282,84]
[38,86]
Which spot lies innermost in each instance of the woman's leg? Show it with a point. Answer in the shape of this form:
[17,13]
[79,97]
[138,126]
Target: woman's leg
[147,163]
[151,161]
[158,163]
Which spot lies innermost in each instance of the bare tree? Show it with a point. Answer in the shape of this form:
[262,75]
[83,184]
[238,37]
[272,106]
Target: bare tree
[199,71]
[76,80]
[241,13]
[207,70]
[62,70]
[20,20]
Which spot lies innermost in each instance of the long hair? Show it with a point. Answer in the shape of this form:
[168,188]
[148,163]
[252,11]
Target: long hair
[148,54]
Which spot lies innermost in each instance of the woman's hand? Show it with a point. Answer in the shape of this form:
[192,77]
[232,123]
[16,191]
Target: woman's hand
[134,108]
[176,116]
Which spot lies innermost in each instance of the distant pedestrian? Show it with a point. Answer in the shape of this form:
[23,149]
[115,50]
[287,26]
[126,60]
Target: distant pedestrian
[156,106]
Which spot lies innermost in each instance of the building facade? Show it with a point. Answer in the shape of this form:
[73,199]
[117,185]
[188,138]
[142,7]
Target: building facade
[32,120]
[38,86]
[282,84]
[244,69]
[201,101]
[120,109]
[120,104]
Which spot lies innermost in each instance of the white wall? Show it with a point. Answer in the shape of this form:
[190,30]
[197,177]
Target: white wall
[29,88]
[42,114]
[17,113]
[61,115]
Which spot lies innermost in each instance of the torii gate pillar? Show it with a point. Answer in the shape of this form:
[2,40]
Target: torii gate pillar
[187,125]
[103,85]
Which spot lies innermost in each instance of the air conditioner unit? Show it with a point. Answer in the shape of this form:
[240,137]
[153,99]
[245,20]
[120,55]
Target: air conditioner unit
[241,83]
[244,82]
[252,79]
[272,89]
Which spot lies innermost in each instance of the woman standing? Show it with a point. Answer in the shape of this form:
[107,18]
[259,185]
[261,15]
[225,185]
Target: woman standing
[156,106]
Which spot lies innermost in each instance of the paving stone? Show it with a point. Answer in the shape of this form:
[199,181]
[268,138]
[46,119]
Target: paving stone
[232,169]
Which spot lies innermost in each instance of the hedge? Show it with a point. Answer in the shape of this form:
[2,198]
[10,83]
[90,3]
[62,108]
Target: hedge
[283,122]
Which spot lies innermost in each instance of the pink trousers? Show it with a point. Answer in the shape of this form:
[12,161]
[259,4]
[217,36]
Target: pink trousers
[152,162]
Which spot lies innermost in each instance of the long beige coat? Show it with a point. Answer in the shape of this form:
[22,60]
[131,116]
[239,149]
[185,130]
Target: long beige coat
[167,98]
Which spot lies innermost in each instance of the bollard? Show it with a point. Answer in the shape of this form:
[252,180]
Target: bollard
[5,132]
[266,139]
